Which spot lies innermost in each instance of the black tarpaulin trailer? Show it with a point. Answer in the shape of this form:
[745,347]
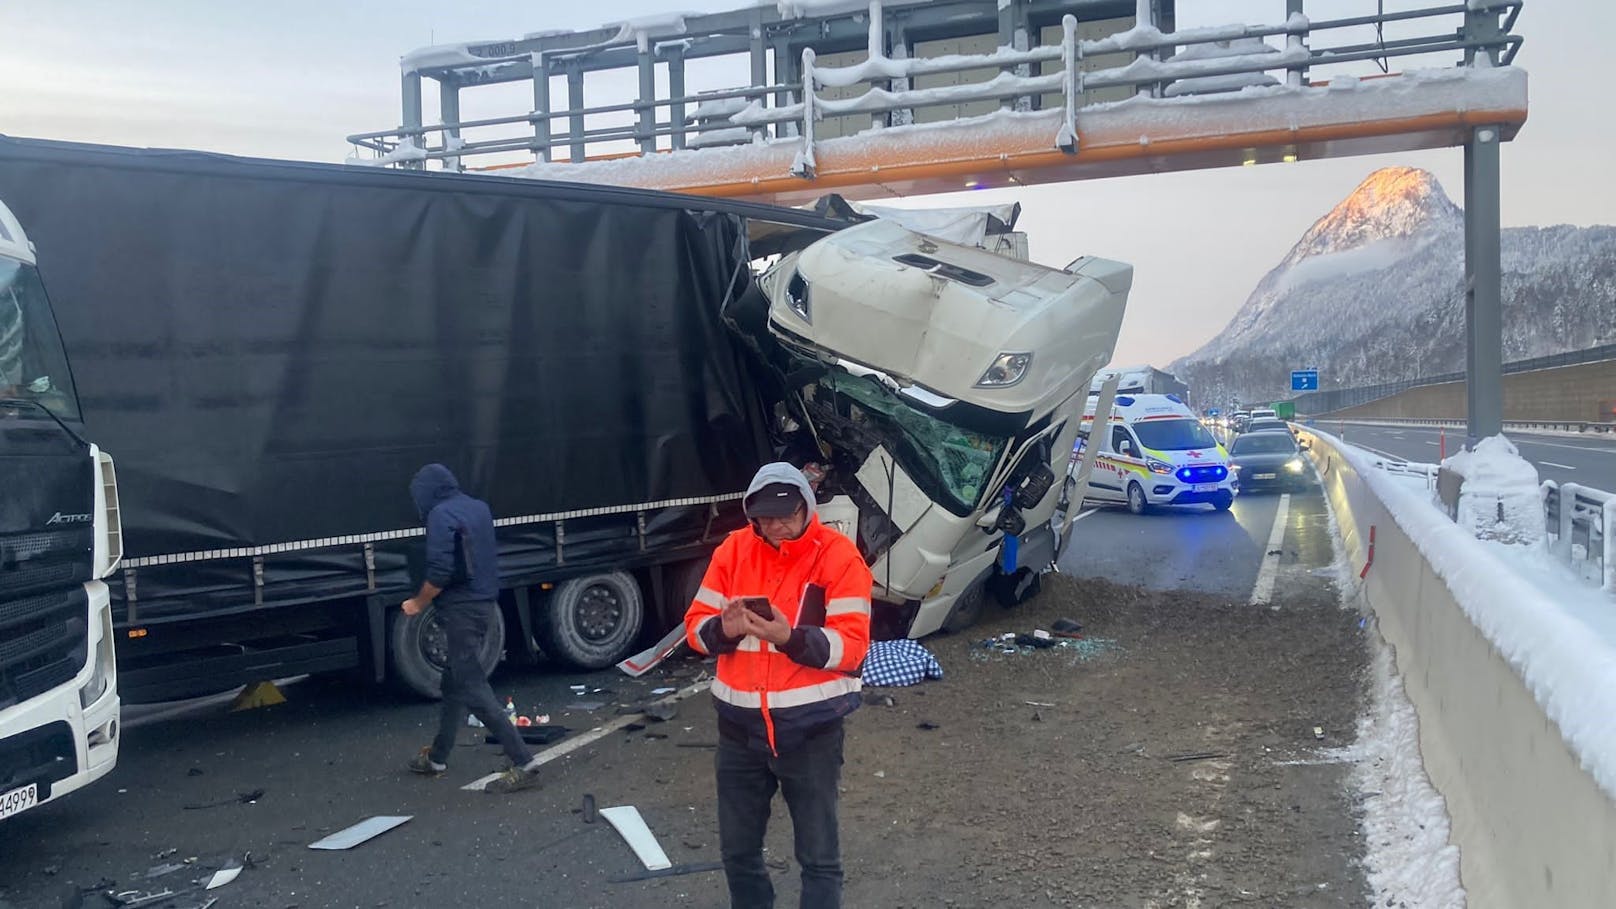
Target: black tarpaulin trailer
[270,349]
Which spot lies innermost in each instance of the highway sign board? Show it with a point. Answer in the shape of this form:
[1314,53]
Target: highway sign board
[1304,380]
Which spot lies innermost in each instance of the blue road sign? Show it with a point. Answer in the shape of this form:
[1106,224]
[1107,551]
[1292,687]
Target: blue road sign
[1304,380]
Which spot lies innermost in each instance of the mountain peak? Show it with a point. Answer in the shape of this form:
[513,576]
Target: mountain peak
[1391,202]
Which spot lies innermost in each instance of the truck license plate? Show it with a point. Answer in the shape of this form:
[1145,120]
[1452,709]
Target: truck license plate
[1206,487]
[19,800]
[1262,476]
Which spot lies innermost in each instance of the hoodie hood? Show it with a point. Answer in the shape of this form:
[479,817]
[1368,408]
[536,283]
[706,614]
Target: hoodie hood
[432,484]
[781,472]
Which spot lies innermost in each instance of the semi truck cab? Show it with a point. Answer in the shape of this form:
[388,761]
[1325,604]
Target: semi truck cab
[940,387]
[60,534]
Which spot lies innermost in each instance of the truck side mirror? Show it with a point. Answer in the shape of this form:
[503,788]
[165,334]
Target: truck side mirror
[1125,447]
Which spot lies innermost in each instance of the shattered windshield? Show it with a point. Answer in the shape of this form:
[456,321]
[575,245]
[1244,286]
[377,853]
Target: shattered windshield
[33,366]
[950,463]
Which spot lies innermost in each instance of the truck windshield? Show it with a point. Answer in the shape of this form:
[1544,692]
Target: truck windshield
[950,463]
[33,366]
[1173,435]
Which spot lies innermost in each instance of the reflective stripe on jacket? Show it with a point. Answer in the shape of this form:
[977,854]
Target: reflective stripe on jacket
[779,695]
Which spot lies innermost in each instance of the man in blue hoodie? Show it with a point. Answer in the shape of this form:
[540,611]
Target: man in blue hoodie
[462,580]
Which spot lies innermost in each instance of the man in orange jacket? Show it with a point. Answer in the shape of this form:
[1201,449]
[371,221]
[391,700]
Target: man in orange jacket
[785,606]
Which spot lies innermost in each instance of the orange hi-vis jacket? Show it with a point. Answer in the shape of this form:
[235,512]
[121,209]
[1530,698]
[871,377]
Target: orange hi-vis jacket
[779,696]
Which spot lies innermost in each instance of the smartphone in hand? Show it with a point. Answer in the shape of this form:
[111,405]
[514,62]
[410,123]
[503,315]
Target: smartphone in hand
[759,606]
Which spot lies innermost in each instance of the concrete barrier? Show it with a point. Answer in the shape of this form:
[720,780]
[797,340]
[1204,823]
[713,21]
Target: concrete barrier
[1535,821]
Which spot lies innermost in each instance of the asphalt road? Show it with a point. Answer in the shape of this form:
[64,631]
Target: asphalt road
[208,785]
[1196,548]
[1589,461]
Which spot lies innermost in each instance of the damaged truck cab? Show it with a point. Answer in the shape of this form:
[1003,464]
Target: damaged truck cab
[939,388]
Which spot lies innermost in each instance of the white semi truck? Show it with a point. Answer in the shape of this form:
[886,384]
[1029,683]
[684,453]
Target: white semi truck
[943,387]
[59,536]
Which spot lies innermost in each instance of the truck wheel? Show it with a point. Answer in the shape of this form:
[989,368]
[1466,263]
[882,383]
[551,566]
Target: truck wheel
[1223,501]
[967,609]
[683,581]
[420,650]
[593,621]
[1137,503]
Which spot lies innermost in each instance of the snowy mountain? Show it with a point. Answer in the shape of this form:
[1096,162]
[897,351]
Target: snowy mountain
[1374,292]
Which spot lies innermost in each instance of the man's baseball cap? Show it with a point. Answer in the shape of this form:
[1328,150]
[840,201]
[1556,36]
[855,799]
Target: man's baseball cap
[776,500]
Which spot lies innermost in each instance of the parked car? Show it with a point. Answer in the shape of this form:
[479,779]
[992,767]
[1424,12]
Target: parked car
[1268,460]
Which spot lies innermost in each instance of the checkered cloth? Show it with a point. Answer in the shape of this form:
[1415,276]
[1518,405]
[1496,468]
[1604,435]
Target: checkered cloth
[899,663]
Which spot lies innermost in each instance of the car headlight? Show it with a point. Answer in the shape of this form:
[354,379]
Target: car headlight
[1007,369]
[1294,465]
[1156,466]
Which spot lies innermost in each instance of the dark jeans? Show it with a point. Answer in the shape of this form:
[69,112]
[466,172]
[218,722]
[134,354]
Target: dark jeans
[807,777]
[465,686]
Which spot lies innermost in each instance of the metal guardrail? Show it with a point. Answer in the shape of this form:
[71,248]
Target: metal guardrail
[1483,31]
[1581,525]
[1580,521]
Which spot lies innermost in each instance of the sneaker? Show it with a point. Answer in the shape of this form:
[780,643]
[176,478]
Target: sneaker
[422,763]
[514,780]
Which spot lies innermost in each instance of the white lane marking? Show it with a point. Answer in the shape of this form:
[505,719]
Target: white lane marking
[593,735]
[1264,591]
[1082,515]
[1561,466]
[1431,443]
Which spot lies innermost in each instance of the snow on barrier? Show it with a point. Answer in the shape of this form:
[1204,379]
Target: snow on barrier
[1514,685]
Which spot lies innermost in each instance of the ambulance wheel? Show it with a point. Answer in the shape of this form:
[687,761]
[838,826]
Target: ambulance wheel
[593,621]
[420,650]
[1223,501]
[1137,503]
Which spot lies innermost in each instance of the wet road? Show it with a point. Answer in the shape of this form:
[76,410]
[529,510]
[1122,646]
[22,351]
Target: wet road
[1587,459]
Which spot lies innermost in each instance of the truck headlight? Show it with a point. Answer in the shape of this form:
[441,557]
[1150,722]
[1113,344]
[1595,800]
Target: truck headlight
[1161,467]
[797,297]
[100,676]
[1007,369]
[1294,465]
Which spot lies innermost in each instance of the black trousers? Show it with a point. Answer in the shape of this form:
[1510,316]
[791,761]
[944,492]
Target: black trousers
[465,686]
[807,777]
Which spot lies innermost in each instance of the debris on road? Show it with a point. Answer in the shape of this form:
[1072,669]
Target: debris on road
[632,827]
[673,871]
[240,798]
[360,832]
[1195,756]
[1012,644]
[229,872]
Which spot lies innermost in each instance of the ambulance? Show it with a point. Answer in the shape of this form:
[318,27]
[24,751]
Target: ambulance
[1157,452]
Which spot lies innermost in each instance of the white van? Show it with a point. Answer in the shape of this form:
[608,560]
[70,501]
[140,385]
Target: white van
[1156,452]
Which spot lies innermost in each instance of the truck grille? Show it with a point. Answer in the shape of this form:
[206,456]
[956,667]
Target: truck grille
[44,755]
[32,562]
[43,643]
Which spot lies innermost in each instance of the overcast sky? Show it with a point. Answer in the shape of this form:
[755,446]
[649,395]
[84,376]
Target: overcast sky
[290,79]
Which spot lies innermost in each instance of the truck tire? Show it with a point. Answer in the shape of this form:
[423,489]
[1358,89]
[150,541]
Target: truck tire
[1137,503]
[683,581]
[593,621]
[1223,501]
[967,609]
[419,650]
